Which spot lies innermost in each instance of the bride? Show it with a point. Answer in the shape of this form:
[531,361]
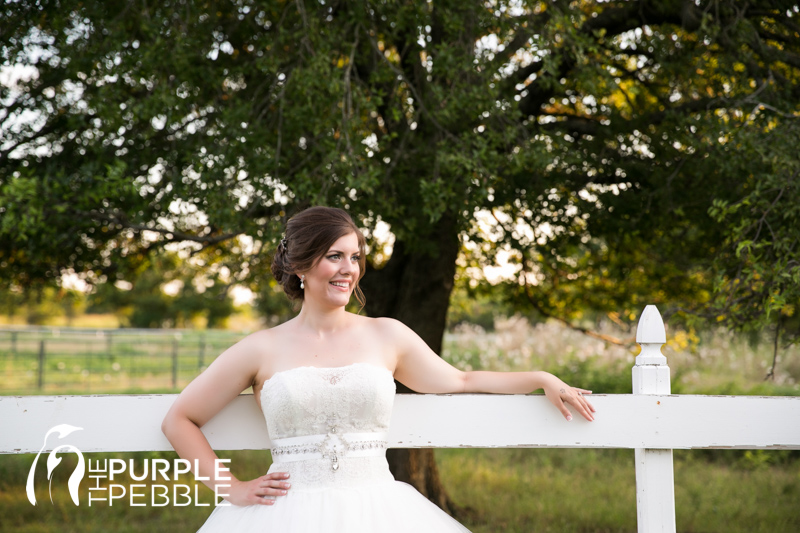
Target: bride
[325,383]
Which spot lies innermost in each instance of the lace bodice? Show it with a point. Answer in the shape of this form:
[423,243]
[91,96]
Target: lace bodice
[310,400]
[325,423]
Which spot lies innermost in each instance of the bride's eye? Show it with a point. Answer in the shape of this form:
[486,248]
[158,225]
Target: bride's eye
[355,258]
[334,257]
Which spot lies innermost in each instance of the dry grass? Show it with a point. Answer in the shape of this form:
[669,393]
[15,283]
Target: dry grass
[711,363]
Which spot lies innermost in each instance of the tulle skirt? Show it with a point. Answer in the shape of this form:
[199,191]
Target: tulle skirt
[370,502]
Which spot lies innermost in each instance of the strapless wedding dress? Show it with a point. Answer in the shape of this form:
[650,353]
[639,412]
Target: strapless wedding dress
[328,430]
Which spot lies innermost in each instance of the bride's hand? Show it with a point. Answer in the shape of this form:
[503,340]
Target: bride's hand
[560,394]
[259,491]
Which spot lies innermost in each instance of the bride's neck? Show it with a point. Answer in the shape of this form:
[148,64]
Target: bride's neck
[322,322]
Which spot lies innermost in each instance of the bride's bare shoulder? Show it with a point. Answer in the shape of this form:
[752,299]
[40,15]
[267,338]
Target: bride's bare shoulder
[387,328]
[264,349]
[262,342]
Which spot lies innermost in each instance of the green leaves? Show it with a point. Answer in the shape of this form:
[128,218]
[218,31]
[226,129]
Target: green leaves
[626,153]
[758,267]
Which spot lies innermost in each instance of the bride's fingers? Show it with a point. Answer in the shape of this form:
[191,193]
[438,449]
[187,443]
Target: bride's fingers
[581,395]
[575,397]
[272,490]
[275,481]
[273,487]
[584,407]
[587,402]
[589,405]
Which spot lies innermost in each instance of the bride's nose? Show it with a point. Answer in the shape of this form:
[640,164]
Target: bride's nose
[347,268]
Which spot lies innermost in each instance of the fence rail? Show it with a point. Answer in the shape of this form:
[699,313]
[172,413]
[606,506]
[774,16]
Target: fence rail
[66,360]
[651,420]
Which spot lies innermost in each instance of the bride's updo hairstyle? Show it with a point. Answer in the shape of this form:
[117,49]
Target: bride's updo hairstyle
[309,236]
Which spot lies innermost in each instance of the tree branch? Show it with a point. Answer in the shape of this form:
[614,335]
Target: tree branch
[601,336]
[417,96]
[771,373]
[630,341]
[172,235]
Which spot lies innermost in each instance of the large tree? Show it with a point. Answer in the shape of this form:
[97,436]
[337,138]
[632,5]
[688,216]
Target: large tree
[616,152]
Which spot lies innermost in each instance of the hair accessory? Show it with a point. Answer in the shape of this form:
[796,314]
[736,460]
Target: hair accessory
[302,279]
[284,243]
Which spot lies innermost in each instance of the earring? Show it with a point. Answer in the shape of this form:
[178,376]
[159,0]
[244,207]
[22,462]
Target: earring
[302,285]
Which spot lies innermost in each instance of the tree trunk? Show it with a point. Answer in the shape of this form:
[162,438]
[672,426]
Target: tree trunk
[415,289]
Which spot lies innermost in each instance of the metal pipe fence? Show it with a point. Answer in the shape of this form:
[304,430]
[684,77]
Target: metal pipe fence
[81,361]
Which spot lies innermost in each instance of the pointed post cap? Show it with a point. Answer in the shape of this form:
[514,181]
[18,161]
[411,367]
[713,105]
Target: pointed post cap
[650,371]
[651,327]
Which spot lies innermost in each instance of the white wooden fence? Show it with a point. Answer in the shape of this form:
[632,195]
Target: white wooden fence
[651,421]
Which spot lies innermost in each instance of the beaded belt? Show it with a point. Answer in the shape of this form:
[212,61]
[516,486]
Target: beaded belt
[329,446]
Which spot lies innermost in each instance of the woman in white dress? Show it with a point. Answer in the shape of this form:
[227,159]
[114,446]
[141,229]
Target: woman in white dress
[325,382]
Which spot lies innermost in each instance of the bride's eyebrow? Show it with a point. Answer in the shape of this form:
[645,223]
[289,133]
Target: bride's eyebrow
[332,251]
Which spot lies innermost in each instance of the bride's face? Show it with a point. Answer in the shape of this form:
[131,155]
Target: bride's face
[334,277]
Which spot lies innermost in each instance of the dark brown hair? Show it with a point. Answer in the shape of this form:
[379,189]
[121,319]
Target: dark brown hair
[309,236]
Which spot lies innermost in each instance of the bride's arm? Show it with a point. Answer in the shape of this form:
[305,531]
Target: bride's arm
[420,369]
[231,373]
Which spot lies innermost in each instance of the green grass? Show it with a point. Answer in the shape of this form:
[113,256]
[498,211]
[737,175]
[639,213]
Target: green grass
[581,491]
[514,490]
[105,361]
[543,490]
[62,516]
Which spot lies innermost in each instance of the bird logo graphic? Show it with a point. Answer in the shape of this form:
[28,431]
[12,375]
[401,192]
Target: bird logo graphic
[53,460]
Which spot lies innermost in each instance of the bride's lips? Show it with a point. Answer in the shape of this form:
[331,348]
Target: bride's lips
[341,284]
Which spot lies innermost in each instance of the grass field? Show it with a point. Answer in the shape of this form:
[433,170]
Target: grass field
[594,491]
[83,361]
[102,361]
[515,490]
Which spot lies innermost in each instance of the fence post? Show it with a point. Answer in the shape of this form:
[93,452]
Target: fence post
[202,352]
[40,380]
[109,345]
[174,363]
[655,485]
